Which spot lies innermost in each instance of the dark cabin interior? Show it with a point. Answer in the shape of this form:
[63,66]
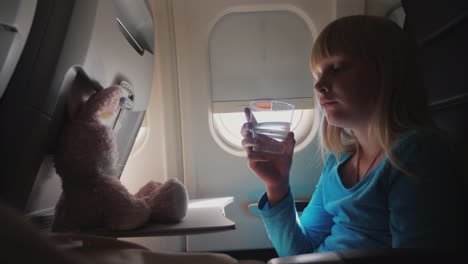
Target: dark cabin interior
[439,27]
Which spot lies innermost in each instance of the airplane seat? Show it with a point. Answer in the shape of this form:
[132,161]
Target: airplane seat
[67,40]
[24,105]
[440,31]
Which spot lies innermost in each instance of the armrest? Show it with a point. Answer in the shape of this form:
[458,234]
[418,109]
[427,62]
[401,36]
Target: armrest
[313,258]
[300,205]
[371,256]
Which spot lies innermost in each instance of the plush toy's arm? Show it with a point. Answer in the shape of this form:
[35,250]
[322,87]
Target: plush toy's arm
[82,89]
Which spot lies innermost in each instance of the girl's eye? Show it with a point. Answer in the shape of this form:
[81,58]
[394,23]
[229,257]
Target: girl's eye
[332,71]
[336,68]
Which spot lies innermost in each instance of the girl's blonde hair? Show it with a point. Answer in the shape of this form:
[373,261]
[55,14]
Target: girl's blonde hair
[401,103]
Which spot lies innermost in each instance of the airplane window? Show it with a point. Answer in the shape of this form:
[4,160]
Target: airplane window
[227,127]
[260,55]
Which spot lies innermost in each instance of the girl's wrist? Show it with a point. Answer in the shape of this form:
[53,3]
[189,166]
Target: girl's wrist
[277,193]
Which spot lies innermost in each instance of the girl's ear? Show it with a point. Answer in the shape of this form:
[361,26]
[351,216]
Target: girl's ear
[81,90]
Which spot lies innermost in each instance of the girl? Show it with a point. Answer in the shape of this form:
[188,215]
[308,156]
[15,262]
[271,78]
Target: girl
[389,179]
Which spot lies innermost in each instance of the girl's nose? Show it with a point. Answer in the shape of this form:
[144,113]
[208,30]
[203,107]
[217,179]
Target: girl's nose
[321,86]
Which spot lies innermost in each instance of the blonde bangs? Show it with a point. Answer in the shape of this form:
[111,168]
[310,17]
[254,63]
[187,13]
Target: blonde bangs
[339,38]
[320,49]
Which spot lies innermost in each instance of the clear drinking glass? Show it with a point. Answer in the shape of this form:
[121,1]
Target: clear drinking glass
[271,124]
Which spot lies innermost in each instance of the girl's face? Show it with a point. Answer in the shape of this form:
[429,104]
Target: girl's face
[346,90]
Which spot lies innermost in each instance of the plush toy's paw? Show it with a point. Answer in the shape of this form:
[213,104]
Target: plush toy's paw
[168,202]
[102,105]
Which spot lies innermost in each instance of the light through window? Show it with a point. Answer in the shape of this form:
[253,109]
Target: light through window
[227,125]
[259,55]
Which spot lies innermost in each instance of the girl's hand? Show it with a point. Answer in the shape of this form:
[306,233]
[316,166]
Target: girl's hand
[272,169]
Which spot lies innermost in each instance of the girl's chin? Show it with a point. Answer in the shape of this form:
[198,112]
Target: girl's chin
[344,121]
[337,122]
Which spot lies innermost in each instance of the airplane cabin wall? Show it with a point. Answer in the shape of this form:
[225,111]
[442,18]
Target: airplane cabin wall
[160,157]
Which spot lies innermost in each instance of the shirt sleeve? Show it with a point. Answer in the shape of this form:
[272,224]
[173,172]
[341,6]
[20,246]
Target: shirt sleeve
[317,222]
[290,234]
[423,209]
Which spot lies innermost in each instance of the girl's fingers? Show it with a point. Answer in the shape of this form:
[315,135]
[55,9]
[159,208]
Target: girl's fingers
[289,144]
[248,115]
[264,144]
[255,156]
[245,129]
[248,142]
[258,156]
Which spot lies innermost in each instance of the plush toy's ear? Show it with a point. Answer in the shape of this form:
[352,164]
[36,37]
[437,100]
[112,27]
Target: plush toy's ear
[82,89]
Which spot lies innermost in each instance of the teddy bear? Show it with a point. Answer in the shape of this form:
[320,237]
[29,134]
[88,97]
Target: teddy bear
[86,161]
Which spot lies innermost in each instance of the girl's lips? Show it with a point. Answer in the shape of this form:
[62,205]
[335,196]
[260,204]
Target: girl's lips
[325,104]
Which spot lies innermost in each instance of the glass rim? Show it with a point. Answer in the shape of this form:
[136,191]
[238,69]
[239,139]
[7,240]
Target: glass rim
[252,104]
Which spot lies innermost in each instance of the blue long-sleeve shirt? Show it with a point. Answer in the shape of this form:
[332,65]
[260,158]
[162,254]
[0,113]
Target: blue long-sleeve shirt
[387,208]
